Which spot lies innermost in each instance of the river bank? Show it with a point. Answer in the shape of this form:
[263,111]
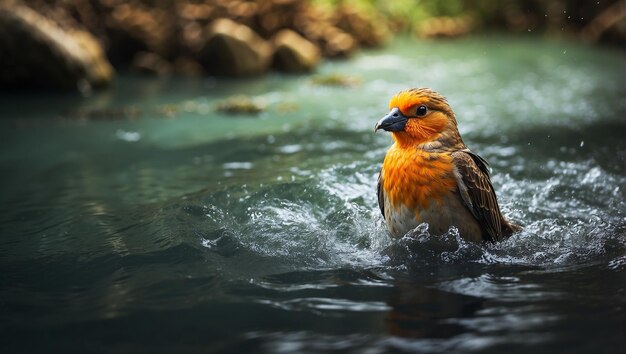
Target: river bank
[79,45]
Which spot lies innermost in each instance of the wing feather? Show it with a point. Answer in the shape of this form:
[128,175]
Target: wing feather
[475,187]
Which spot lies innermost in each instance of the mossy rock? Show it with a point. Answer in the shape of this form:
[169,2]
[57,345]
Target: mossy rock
[240,105]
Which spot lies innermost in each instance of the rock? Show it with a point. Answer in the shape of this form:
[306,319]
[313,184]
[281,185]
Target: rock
[133,27]
[338,80]
[316,24]
[273,15]
[36,51]
[239,105]
[293,53]
[151,63]
[445,27]
[192,37]
[187,66]
[234,49]
[367,30]
[337,43]
[195,12]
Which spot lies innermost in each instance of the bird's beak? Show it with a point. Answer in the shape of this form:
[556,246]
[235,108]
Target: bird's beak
[394,121]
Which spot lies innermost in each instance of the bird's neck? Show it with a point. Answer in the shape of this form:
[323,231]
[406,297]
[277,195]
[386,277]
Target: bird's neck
[404,140]
[441,142]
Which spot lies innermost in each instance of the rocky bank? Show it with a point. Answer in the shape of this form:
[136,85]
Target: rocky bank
[76,43]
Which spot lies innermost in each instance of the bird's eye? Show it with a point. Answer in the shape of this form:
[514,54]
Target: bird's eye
[421,111]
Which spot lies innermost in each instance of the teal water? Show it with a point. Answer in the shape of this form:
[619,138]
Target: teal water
[140,220]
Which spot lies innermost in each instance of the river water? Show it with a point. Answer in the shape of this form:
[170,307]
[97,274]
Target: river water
[139,220]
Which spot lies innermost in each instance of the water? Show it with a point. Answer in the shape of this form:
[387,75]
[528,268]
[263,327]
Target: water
[183,230]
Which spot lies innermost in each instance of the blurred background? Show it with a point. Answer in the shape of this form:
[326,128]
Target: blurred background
[64,44]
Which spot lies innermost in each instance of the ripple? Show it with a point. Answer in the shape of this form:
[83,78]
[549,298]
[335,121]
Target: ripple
[505,288]
[310,342]
[328,218]
[327,304]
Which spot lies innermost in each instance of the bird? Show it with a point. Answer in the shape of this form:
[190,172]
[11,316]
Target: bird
[430,176]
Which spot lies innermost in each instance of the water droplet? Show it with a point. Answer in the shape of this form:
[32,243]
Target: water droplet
[569,16]
[582,143]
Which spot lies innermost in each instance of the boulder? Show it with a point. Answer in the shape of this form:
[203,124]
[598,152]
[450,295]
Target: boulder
[133,28]
[337,43]
[293,53]
[317,25]
[151,63]
[234,49]
[36,51]
[187,66]
[367,29]
[445,27]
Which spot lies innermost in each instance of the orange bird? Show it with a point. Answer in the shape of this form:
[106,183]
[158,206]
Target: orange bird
[430,176]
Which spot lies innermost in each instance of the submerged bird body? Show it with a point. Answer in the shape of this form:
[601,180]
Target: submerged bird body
[429,175]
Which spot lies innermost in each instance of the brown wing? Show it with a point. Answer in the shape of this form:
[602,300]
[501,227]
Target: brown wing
[381,193]
[477,192]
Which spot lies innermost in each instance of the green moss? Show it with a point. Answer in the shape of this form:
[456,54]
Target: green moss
[239,104]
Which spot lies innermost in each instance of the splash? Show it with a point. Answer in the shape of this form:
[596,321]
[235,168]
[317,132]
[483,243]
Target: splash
[329,219]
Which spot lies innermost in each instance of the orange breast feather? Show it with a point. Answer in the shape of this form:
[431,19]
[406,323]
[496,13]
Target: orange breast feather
[416,178]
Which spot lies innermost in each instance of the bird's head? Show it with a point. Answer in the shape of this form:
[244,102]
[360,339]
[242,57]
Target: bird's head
[417,116]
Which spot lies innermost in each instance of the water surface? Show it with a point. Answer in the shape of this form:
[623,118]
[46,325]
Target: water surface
[139,220]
